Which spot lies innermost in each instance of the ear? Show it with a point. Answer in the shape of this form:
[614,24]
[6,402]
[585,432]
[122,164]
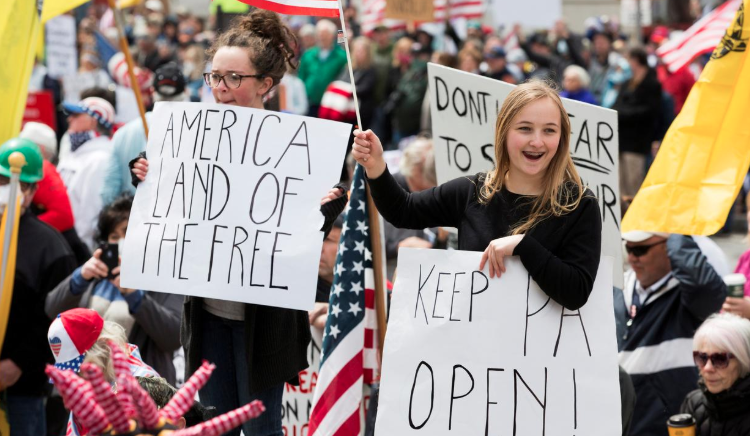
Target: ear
[265,86]
[181,423]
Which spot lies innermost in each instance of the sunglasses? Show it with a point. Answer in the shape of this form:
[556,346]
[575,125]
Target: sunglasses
[718,360]
[641,250]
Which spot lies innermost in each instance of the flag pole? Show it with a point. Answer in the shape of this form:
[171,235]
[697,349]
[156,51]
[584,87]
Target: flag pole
[378,263]
[10,234]
[129,59]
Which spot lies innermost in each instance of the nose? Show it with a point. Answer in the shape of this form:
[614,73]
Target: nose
[536,139]
[709,366]
[222,87]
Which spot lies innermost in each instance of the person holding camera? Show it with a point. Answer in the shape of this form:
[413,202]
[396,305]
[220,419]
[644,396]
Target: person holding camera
[151,319]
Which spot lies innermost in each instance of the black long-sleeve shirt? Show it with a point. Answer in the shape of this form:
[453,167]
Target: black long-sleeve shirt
[43,260]
[561,253]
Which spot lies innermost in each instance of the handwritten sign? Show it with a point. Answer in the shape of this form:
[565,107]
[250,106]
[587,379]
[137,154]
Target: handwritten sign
[410,10]
[464,110]
[470,355]
[60,42]
[230,208]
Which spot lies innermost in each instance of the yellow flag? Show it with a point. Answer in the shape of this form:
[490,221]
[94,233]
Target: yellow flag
[705,155]
[19,21]
[121,4]
[7,286]
[53,8]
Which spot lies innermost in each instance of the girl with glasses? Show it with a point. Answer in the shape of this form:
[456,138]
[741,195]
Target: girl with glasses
[257,348]
[532,204]
[721,404]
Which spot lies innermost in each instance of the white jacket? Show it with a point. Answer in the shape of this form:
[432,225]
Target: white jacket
[83,172]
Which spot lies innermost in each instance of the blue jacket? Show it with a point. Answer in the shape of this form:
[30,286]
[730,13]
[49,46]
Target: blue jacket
[128,141]
[656,345]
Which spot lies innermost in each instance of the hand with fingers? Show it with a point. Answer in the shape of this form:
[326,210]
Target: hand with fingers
[140,169]
[368,152]
[495,252]
[737,306]
[94,268]
[332,194]
[116,281]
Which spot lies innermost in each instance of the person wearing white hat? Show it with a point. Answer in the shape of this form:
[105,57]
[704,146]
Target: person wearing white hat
[89,126]
[669,291]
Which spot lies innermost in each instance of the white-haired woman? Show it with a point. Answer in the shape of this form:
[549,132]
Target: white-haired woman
[721,404]
[576,82]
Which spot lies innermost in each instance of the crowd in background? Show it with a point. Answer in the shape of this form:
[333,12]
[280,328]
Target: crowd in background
[86,192]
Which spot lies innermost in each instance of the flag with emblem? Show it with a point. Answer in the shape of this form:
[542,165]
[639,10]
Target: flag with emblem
[317,8]
[696,176]
[349,355]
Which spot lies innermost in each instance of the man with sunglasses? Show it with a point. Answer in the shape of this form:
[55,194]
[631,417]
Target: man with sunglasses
[669,291]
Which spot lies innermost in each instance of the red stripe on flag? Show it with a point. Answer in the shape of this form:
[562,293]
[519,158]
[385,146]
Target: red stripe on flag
[369,376]
[350,426]
[369,342]
[349,374]
[369,298]
[293,10]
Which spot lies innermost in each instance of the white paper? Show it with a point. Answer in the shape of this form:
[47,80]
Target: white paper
[256,241]
[464,110]
[536,14]
[442,337]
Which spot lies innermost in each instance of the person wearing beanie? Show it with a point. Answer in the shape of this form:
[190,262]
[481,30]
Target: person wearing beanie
[90,124]
[43,259]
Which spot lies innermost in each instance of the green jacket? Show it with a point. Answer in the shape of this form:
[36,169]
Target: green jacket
[318,74]
[412,88]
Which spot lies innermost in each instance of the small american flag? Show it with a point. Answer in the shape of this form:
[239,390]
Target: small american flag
[349,355]
[373,13]
[318,8]
[701,38]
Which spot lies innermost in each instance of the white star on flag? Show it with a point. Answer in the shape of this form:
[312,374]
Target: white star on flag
[337,289]
[368,255]
[359,246]
[354,308]
[361,205]
[362,227]
[358,268]
[340,268]
[335,330]
[356,288]
[335,310]
[342,248]
[362,185]
[344,228]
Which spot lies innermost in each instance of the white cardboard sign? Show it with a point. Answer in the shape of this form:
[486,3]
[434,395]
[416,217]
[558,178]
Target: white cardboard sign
[464,110]
[230,208]
[60,41]
[469,355]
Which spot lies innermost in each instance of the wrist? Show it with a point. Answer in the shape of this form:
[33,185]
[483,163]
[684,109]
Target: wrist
[376,170]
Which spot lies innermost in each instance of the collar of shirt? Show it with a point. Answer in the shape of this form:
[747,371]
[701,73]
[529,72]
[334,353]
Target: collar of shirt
[644,293]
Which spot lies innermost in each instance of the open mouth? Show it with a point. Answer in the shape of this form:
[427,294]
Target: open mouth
[533,156]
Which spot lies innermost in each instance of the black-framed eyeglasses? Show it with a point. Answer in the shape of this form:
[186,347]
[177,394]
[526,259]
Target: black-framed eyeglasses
[641,250]
[231,80]
[718,360]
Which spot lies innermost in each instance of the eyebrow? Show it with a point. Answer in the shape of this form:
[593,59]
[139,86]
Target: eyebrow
[529,122]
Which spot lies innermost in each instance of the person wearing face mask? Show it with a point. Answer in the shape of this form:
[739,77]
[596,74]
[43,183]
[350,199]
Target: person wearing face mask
[43,259]
[89,129]
[720,405]
[150,319]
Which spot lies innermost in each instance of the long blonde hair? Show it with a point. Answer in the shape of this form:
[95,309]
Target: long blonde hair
[562,189]
[100,355]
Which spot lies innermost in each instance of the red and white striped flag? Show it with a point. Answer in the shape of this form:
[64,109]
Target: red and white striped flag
[317,8]
[349,354]
[701,38]
[374,13]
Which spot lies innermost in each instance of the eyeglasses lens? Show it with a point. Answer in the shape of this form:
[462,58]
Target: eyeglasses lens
[718,360]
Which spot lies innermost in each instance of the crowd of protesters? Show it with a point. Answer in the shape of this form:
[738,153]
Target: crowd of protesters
[78,185]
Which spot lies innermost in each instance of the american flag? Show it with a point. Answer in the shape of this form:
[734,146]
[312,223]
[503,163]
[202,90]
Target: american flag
[349,355]
[318,8]
[701,38]
[374,13]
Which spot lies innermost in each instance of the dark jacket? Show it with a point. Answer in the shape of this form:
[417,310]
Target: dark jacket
[404,105]
[638,112]
[656,345]
[43,259]
[724,414]
[276,339]
[365,80]
[156,331]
